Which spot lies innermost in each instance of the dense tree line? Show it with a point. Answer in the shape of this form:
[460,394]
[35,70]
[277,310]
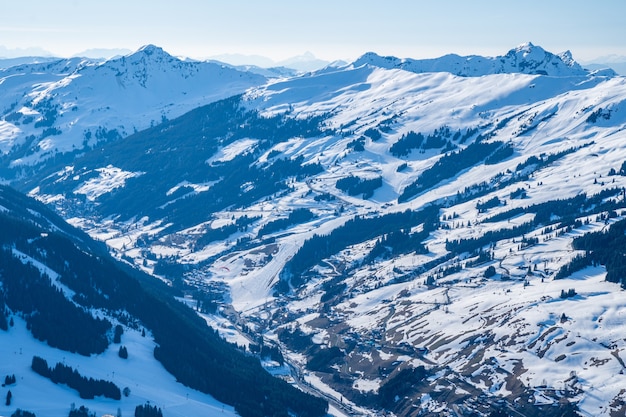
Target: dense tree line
[148,410]
[81,411]
[400,384]
[449,166]
[4,323]
[88,388]
[534,163]
[578,263]
[459,246]
[47,311]
[22,413]
[398,242]
[503,152]
[223,232]
[412,140]
[297,216]
[354,185]
[491,203]
[607,248]
[568,209]
[353,231]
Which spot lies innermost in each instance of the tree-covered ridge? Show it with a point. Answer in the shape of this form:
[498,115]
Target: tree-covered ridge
[194,353]
[358,230]
[186,145]
[449,166]
[556,214]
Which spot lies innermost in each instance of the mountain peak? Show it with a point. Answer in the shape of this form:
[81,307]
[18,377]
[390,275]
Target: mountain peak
[527,47]
[531,59]
[151,49]
[152,52]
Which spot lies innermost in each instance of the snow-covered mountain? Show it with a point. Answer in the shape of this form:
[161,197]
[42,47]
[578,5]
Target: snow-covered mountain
[72,104]
[409,232]
[525,59]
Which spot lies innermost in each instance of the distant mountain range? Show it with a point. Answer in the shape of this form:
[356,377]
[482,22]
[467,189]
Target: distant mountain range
[410,235]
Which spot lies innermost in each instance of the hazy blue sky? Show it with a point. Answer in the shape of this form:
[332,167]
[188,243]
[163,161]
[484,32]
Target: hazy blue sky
[330,29]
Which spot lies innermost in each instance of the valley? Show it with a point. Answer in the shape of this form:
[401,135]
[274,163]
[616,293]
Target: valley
[414,237]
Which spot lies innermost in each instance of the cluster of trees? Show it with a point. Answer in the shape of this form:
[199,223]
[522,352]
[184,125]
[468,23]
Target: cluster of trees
[4,323]
[398,242]
[400,384]
[322,358]
[373,133]
[268,351]
[491,203]
[412,140]
[354,185]
[481,257]
[9,380]
[295,339]
[599,113]
[449,166]
[500,154]
[357,145]
[333,288]
[22,413]
[47,311]
[297,216]
[81,411]
[607,248]
[353,231]
[568,294]
[221,233]
[123,352]
[148,410]
[88,388]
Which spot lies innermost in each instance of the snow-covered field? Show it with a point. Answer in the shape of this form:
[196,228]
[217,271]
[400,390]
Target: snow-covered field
[147,380]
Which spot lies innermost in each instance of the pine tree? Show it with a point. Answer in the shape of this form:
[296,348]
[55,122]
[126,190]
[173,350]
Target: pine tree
[123,353]
[117,336]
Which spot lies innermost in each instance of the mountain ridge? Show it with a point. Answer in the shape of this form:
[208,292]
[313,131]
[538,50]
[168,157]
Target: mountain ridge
[525,58]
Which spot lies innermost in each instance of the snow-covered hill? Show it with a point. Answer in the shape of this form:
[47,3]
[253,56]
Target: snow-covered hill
[69,105]
[397,226]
